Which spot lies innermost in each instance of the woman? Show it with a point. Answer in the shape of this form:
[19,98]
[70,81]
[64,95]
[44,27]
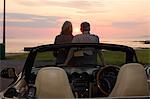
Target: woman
[65,36]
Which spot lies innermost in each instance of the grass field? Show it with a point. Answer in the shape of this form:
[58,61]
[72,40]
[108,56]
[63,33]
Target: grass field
[119,57]
[143,56]
[110,57]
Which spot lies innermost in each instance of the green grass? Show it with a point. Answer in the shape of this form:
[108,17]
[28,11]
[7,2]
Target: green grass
[109,56]
[45,56]
[21,56]
[119,57]
[114,58]
[143,56]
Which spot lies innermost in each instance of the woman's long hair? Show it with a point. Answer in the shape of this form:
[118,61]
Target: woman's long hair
[66,28]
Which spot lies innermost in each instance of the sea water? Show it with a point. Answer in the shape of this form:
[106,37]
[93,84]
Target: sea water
[17,45]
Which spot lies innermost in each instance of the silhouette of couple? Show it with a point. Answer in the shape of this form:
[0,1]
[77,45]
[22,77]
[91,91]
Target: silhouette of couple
[65,36]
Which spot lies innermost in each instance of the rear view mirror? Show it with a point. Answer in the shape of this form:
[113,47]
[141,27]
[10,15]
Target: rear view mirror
[8,73]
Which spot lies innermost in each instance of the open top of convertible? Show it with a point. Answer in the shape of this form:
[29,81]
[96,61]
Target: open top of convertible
[43,77]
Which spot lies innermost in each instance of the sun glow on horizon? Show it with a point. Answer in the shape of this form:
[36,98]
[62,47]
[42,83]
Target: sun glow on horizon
[76,30]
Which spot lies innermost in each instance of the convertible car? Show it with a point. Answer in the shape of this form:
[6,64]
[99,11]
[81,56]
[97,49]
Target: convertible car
[94,71]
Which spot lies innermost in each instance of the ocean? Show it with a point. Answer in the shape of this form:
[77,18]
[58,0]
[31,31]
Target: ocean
[17,45]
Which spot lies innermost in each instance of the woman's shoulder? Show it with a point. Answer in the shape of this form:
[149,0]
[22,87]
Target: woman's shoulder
[61,35]
[66,36]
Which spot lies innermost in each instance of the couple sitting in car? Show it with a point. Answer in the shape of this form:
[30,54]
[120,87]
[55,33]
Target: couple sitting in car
[63,57]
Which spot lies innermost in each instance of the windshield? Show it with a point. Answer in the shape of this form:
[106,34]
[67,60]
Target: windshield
[83,57]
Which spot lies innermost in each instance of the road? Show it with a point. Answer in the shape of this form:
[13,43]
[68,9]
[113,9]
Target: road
[18,65]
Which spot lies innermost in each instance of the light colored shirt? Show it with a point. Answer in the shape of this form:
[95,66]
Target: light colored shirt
[86,37]
[85,55]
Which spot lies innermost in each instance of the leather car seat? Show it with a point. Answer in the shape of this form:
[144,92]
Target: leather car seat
[131,81]
[52,82]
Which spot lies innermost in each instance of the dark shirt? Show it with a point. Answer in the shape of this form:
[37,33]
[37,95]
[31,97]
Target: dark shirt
[63,39]
[61,54]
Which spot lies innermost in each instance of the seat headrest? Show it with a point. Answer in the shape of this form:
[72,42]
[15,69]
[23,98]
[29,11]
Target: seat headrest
[52,82]
[131,81]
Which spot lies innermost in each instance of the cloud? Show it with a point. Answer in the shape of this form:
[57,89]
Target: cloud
[27,3]
[83,5]
[126,24]
[29,20]
[91,11]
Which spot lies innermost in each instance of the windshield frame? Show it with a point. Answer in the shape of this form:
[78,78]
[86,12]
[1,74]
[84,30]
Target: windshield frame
[130,53]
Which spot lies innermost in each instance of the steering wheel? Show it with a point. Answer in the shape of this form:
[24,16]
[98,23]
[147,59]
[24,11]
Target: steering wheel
[106,79]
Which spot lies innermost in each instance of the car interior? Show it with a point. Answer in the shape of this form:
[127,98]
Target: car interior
[43,78]
[125,85]
[85,78]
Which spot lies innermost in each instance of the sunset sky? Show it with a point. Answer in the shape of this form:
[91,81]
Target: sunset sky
[35,20]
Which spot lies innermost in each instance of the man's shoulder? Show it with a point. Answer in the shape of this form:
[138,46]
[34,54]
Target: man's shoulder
[94,35]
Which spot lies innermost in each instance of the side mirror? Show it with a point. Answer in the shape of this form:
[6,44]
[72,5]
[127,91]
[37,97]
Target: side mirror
[8,73]
[147,70]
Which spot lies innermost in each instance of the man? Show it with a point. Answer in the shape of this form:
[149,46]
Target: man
[86,36]
[87,55]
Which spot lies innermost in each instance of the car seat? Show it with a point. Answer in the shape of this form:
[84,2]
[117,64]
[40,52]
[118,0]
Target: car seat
[131,81]
[52,82]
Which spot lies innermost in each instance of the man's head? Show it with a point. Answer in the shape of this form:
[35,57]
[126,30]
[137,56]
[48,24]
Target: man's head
[85,26]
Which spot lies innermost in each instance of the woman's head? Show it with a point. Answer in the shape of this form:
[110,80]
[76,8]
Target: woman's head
[66,28]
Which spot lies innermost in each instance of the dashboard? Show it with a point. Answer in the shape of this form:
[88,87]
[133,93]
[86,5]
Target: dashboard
[83,80]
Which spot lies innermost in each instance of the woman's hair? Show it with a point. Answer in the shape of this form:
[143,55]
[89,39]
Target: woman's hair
[66,28]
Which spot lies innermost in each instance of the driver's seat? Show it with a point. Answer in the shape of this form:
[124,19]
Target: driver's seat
[131,81]
[52,82]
